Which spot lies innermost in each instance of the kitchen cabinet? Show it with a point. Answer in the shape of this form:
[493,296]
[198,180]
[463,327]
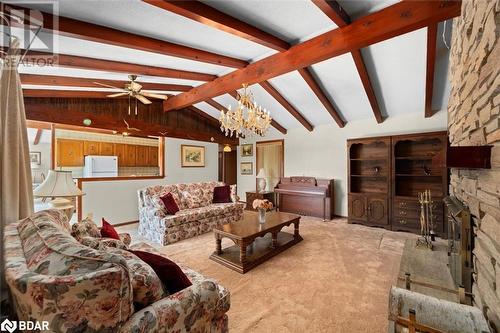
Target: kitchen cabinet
[69,153]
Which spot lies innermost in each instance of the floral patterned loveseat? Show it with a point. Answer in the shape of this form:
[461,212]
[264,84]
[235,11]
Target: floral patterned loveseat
[197,214]
[53,277]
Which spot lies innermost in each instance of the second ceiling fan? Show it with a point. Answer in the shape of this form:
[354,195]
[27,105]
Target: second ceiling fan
[133,90]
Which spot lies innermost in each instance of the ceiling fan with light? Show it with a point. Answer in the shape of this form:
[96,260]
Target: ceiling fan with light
[133,90]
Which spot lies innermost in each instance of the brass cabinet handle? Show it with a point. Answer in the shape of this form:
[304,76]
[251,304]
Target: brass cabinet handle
[402,221]
[402,204]
[402,212]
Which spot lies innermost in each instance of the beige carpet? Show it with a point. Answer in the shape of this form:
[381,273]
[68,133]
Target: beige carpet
[336,280]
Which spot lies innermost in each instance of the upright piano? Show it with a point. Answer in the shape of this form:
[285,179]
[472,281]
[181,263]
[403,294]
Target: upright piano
[306,196]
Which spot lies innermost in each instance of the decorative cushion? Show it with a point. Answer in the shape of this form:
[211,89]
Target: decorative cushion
[146,285]
[170,274]
[169,203]
[108,231]
[222,194]
[192,199]
[85,228]
[234,195]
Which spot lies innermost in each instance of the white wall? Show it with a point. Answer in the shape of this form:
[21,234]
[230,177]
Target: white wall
[44,147]
[322,153]
[117,200]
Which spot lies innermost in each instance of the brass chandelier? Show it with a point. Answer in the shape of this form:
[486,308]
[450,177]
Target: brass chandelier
[247,118]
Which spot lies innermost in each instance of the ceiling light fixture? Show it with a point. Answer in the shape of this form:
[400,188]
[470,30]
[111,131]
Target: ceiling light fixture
[227,148]
[247,118]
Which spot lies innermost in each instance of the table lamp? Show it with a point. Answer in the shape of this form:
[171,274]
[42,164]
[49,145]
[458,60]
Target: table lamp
[59,185]
[261,176]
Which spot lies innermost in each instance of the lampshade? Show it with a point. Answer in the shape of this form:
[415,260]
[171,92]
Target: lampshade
[58,184]
[262,173]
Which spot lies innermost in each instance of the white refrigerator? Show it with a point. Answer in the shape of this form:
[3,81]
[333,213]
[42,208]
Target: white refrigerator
[100,166]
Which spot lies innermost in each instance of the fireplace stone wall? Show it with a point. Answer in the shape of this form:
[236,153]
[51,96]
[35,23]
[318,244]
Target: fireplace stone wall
[473,119]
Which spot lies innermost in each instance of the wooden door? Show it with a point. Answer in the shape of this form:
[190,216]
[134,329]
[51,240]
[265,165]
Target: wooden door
[141,155]
[120,151]
[106,149]
[153,156]
[130,156]
[377,210]
[69,153]
[229,171]
[90,148]
[357,207]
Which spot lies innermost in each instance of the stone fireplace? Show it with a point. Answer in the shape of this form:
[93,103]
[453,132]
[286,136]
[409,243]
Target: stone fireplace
[473,119]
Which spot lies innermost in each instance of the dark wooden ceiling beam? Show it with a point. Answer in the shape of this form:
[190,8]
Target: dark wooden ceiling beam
[431,61]
[202,13]
[365,80]
[334,11]
[289,107]
[67,81]
[70,61]
[38,135]
[339,16]
[395,20]
[318,91]
[97,33]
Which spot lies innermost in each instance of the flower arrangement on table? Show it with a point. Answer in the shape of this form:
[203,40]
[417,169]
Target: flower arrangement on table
[262,204]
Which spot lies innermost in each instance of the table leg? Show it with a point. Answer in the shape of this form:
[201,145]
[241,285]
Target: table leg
[218,244]
[296,230]
[275,240]
[243,253]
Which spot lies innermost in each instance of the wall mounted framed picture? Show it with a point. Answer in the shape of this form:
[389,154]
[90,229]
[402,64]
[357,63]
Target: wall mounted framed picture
[246,168]
[192,156]
[247,150]
[35,157]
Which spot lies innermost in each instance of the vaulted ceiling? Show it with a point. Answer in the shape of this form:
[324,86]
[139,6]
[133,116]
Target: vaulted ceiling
[190,44]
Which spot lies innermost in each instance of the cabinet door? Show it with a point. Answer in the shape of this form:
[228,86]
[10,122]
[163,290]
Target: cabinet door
[69,153]
[129,156]
[153,156]
[106,149]
[357,207]
[90,148]
[120,151]
[141,156]
[377,210]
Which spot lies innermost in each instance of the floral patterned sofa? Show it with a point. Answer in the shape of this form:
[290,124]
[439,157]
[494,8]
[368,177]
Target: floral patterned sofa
[197,214]
[53,277]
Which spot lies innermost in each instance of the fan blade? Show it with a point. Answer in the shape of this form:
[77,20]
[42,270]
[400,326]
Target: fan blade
[118,94]
[135,86]
[107,85]
[143,99]
[152,95]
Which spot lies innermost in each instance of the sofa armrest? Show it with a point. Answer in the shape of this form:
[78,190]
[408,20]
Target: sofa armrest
[192,309]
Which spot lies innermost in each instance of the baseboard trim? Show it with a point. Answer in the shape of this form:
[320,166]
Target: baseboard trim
[125,223]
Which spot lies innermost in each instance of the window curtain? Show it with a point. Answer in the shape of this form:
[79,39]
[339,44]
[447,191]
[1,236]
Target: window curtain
[270,157]
[16,193]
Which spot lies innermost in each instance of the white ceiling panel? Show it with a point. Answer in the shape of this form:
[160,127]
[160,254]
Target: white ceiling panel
[399,65]
[343,86]
[296,91]
[358,8]
[84,73]
[290,20]
[140,18]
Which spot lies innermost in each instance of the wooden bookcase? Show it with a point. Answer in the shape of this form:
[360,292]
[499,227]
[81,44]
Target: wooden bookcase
[385,175]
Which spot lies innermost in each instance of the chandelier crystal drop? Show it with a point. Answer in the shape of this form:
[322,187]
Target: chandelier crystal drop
[247,118]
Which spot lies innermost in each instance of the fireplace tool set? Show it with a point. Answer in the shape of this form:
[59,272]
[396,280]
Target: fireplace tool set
[426,220]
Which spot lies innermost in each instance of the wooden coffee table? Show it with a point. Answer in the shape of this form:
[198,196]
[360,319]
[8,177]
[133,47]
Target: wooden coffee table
[254,242]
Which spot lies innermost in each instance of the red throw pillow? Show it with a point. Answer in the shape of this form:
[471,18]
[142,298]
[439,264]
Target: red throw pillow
[169,203]
[222,194]
[108,230]
[170,274]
